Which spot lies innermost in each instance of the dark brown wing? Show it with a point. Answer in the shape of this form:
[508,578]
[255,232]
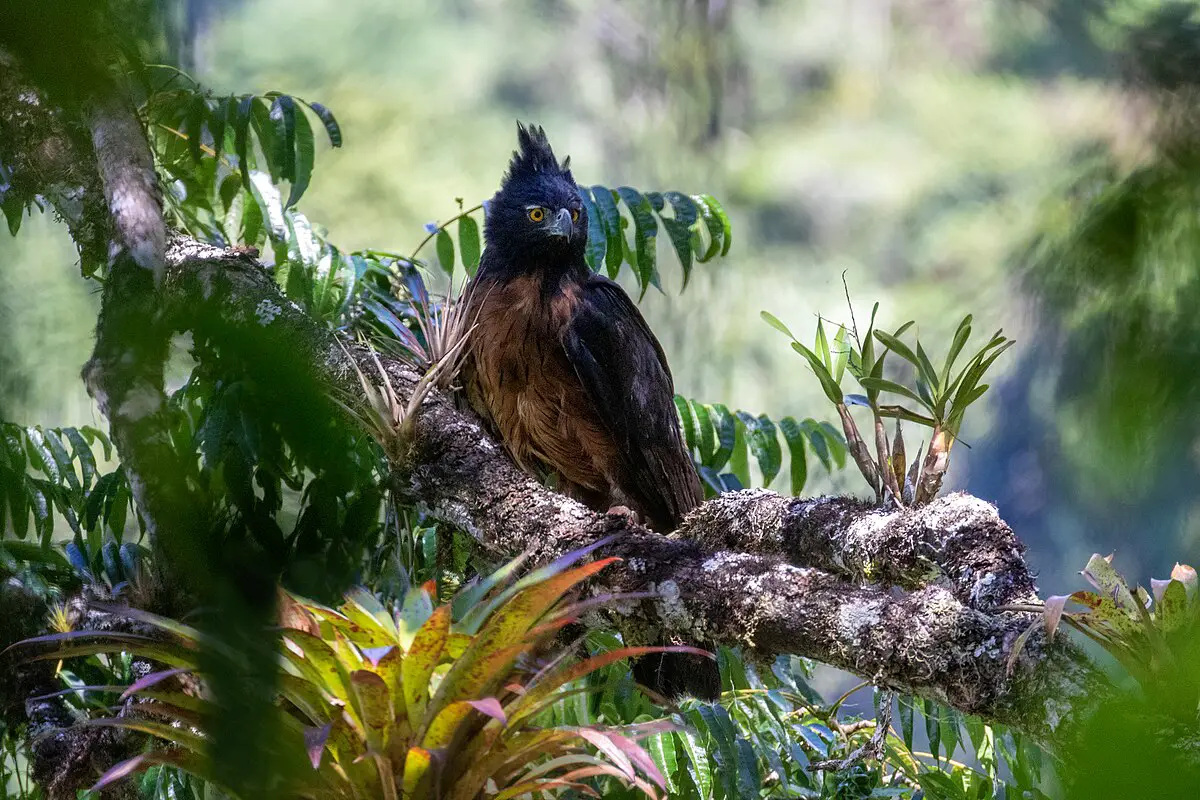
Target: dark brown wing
[624,371]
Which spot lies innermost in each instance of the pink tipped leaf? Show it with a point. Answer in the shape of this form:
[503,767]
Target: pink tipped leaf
[314,743]
[146,681]
[491,707]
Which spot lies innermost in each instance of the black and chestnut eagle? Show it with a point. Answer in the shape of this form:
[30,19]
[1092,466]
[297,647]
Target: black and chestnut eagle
[566,370]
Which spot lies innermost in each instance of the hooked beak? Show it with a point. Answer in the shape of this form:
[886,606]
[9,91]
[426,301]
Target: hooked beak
[562,225]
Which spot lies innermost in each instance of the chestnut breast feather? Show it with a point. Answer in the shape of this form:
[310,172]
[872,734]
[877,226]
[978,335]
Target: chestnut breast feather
[522,379]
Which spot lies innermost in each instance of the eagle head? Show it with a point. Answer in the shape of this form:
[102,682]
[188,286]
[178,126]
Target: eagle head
[537,218]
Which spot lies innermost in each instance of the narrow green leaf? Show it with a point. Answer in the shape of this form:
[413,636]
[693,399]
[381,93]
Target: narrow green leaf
[217,120]
[445,252]
[331,125]
[39,504]
[831,389]
[883,385]
[816,439]
[712,224]
[749,782]
[774,322]
[724,734]
[267,198]
[468,243]
[906,719]
[661,747]
[14,211]
[268,134]
[841,348]
[836,441]
[645,231]
[681,240]
[898,347]
[966,384]
[794,436]
[707,441]
[116,506]
[193,127]
[253,230]
[961,335]
[723,218]
[679,228]
[63,461]
[241,137]
[40,456]
[933,727]
[283,118]
[949,721]
[821,346]
[697,763]
[18,508]
[611,218]
[867,357]
[597,243]
[687,422]
[739,460]
[305,154]
[764,444]
[726,427]
[926,366]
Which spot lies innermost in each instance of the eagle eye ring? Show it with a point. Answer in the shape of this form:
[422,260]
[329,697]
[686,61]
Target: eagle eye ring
[537,214]
[574,215]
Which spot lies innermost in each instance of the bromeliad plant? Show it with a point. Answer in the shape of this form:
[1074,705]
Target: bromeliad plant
[1139,630]
[941,397]
[419,701]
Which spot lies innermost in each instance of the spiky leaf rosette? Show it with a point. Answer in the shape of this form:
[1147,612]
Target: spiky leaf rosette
[416,701]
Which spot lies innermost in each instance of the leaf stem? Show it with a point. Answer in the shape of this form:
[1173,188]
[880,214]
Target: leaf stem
[443,227]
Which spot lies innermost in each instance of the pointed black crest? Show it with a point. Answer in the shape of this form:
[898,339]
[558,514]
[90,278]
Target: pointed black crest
[534,155]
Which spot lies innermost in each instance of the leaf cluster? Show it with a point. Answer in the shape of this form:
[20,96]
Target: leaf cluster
[697,227]
[937,398]
[419,700]
[720,439]
[1142,630]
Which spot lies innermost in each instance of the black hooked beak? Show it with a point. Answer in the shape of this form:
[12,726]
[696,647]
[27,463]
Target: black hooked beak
[562,224]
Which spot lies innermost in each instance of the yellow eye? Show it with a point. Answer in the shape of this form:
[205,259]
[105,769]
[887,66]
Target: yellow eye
[537,214]
[574,215]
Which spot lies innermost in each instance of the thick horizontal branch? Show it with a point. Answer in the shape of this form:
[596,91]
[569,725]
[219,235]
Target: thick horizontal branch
[722,578]
[958,541]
